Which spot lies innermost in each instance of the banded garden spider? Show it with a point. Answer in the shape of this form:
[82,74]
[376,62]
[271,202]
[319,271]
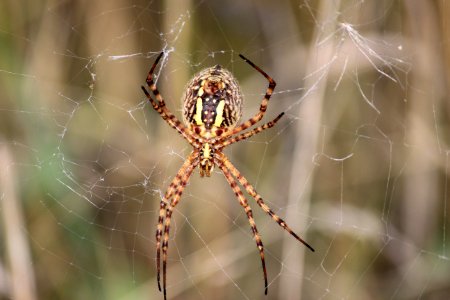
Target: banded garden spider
[212,106]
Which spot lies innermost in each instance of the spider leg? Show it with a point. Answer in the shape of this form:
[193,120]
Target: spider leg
[162,208]
[251,133]
[173,187]
[252,192]
[169,210]
[151,84]
[237,191]
[262,109]
[162,109]
[171,119]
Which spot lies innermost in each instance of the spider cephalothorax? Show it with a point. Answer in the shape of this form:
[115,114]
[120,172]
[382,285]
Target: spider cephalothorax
[212,106]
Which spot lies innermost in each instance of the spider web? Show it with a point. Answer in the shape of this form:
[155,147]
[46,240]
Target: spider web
[358,166]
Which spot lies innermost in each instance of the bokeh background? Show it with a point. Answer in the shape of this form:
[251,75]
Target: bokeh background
[359,166]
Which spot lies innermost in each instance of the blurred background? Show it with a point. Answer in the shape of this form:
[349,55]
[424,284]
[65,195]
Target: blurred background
[359,165]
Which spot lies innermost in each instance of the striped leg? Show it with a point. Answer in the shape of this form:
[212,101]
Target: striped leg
[237,191]
[151,84]
[169,210]
[262,109]
[171,119]
[252,192]
[162,109]
[173,188]
[251,133]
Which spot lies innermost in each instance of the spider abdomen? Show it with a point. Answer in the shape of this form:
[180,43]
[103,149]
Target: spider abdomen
[212,99]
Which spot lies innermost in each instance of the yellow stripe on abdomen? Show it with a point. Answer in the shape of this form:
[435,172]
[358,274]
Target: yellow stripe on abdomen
[219,113]
[198,111]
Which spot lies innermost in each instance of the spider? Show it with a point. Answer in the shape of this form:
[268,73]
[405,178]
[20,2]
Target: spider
[212,106]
